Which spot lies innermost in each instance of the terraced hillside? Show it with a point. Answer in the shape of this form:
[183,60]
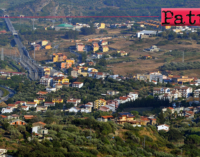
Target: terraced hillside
[93,7]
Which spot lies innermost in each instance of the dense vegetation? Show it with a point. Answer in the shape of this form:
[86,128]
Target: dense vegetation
[180,66]
[5,92]
[39,34]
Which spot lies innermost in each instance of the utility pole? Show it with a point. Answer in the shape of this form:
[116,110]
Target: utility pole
[144,141]
[34,51]
[15,55]
[90,135]
[183,57]
[2,55]
[33,24]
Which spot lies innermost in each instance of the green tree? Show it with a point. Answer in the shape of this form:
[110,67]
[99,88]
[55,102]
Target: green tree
[161,118]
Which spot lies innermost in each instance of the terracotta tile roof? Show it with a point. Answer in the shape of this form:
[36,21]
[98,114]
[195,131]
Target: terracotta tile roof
[65,83]
[18,102]
[24,106]
[11,105]
[123,98]
[3,116]
[38,123]
[77,82]
[29,116]
[171,108]
[42,93]
[105,117]
[15,115]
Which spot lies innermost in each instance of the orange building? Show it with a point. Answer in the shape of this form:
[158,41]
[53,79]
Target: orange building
[66,65]
[17,122]
[48,47]
[59,57]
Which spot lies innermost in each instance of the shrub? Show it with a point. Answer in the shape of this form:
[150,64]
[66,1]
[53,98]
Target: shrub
[148,139]
[170,145]
[94,151]
[73,148]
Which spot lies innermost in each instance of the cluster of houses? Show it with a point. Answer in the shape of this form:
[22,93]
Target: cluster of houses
[38,128]
[9,74]
[101,104]
[126,117]
[156,77]
[187,112]
[44,44]
[62,61]
[173,94]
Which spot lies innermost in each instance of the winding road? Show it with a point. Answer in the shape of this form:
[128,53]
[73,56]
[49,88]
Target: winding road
[10,95]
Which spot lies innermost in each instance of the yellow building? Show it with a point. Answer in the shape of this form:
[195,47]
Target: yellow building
[39,100]
[48,47]
[70,61]
[65,80]
[44,42]
[94,70]
[102,25]
[85,74]
[57,100]
[105,49]
[47,70]
[123,53]
[95,47]
[98,103]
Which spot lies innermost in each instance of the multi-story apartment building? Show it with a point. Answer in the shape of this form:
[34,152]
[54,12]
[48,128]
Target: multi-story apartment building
[197,93]
[158,77]
[98,103]
[77,84]
[46,80]
[159,91]
[184,90]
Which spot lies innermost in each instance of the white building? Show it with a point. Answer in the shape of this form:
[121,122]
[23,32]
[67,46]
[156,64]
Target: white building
[133,95]
[147,32]
[49,104]
[163,127]
[49,89]
[38,128]
[47,81]
[74,109]
[158,77]
[158,91]
[31,104]
[184,90]
[197,93]
[113,76]
[25,108]
[7,110]
[77,84]
[74,101]
[86,109]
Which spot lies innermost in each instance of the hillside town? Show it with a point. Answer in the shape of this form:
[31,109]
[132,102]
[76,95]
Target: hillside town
[105,87]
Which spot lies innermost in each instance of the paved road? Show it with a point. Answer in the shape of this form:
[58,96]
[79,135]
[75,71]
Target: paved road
[10,95]
[26,61]
[1,93]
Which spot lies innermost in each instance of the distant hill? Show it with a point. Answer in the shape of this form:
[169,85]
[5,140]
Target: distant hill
[94,7]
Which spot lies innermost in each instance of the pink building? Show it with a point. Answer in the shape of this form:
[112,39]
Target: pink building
[104,109]
[80,47]
[108,102]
